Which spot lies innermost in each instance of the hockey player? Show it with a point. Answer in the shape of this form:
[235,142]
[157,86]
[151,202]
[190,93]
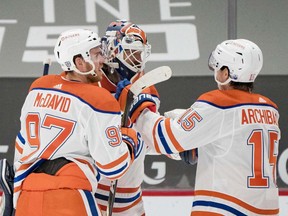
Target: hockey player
[236,133]
[70,134]
[128,49]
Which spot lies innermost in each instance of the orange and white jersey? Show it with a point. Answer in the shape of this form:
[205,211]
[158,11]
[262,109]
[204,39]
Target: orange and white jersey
[237,136]
[70,119]
[128,199]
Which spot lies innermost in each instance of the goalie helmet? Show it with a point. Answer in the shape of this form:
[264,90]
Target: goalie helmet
[75,42]
[127,46]
[243,58]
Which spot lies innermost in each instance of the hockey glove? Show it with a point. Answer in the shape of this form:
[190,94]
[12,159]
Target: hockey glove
[190,156]
[120,87]
[141,102]
[122,92]
[129,136]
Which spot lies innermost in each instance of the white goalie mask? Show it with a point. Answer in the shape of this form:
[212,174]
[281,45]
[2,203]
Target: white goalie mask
[243,58]
[76,42]
[127,45]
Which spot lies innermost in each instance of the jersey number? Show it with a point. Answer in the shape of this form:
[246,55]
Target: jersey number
[189,119]
[33,133]
[256,139]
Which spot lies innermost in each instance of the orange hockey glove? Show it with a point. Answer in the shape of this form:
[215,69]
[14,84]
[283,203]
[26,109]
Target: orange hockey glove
[141,102]
[129,136]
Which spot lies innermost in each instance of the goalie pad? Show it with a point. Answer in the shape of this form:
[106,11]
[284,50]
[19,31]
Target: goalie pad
[6,184]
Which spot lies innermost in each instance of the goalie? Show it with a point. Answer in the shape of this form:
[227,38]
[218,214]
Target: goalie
[127,51]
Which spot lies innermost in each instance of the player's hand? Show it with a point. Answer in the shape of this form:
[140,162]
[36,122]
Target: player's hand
[129,136]
[190,156]
[120,87]
[141,102]
[121,94]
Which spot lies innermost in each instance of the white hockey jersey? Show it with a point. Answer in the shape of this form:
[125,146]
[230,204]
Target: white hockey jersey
[237,136]
[70,119]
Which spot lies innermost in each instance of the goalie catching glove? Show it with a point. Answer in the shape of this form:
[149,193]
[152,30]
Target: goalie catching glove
[129,136]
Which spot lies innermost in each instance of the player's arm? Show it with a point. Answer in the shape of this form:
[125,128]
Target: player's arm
[111,146]
[170,136]
[189,156]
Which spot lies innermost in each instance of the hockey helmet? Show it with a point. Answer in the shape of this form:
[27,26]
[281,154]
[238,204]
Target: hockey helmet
[74,42]
[243,58]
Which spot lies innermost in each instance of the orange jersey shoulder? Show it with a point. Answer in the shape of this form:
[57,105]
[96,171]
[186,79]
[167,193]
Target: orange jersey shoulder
[95,96]
[107,84]
[226,98]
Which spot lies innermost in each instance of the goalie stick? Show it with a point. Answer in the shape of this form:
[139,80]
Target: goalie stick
[150,78]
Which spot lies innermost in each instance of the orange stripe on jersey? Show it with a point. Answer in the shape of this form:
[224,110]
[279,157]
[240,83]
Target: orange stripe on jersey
[24,167]
[171,135]
[129,206]
[237,201]
[234,97]
[27,156]
[118,190]
[16,189]
[87,163]
[114,163]
[156,145]
[18,147]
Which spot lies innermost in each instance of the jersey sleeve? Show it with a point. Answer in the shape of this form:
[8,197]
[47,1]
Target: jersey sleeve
[109,151]
[194,128]
[105,144]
